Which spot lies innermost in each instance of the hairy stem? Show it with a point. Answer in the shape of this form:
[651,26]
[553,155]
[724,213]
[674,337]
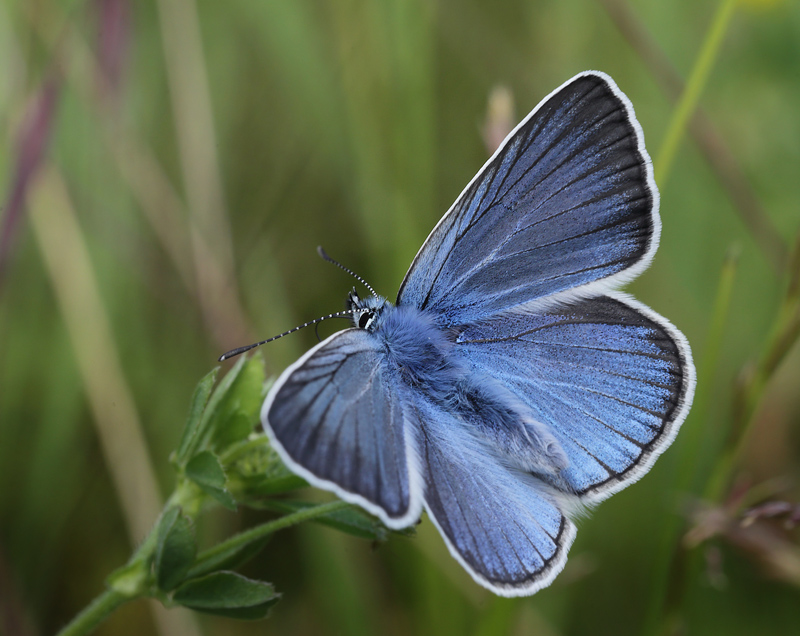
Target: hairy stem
[94,613]
[206,560]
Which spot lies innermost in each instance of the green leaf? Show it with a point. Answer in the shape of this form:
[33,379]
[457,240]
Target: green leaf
[190,430]
[227,594]
[249,391]
[237,414]
[175,550]
[205,470]
[237,427]
[201,432]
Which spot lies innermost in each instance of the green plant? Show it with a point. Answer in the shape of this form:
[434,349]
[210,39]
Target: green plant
[222,460]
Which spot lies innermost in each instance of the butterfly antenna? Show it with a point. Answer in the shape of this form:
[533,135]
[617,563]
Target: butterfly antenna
[325,256]
[235,352]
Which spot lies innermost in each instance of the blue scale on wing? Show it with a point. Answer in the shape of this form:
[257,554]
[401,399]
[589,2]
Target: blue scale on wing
[500,522]
[564,203]
[605,377]
[339,415]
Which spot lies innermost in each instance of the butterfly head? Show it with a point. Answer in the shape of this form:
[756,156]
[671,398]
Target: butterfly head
[367,311]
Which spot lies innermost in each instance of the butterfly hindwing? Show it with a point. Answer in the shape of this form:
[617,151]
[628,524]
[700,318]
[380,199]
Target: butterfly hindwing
[503,525]
[566,202]
[338,419]
[609,377]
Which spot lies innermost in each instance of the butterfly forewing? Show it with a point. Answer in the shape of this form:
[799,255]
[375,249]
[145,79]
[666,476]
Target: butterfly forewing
[338,419]
[609,377]
[567,201]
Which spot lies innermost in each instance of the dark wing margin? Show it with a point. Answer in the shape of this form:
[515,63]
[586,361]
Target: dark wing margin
[566,208]
[504,526]
[612,380]
[338,420]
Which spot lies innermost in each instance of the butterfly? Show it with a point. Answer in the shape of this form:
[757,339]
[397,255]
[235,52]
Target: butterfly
[510,385]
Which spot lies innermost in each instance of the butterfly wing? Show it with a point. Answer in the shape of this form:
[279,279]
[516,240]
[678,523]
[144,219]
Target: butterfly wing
[611,379]
[337,417]
[566,208]
[504,526]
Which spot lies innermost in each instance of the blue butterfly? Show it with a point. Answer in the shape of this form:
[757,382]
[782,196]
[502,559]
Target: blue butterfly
[511,384]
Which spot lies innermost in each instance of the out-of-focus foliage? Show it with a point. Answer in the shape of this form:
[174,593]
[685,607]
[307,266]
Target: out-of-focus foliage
[169,168]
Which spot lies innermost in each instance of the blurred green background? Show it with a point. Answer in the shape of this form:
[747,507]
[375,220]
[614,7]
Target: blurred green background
[198,153]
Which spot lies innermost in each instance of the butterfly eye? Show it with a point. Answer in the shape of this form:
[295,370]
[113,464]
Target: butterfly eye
[365,319]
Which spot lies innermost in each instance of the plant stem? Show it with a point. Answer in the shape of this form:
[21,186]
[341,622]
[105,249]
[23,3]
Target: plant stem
[222,550]
[104,604]
[94,613]
[125,584]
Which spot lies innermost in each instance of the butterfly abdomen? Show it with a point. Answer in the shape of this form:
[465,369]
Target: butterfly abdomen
[508,425]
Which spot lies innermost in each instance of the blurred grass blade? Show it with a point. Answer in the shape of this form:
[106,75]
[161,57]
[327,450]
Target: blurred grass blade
[190,97]
[31,148]
[393,147]
[695,430]
[754,379]
[193,118]
[209,279]
[694,87]
[117,423]
[114,36]
[707,370]
[711,143]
